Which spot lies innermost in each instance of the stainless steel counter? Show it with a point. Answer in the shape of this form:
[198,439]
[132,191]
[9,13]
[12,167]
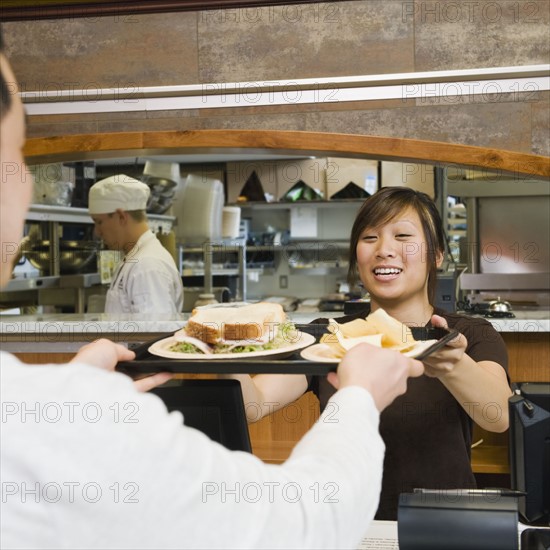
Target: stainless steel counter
[525,321]
[65,333]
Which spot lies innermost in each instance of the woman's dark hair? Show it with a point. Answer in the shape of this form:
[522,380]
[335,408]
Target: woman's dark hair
[386,204]
[5,96]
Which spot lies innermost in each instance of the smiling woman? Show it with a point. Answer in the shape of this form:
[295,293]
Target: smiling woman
[403,219]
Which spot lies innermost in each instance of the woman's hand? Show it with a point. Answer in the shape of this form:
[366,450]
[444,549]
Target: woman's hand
[105,354]
[445,360]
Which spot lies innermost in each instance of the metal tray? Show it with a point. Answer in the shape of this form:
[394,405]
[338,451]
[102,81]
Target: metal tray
[146,363]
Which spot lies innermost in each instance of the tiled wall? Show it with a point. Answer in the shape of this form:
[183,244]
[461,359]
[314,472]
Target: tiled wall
[300,41]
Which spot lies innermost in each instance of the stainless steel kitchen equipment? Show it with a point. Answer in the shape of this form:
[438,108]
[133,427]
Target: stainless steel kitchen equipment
[74,256]
[508,239]
[499,306]
[162,178]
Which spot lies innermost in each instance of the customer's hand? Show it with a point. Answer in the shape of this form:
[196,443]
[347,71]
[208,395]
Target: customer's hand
[152,381]
[382,372]
[105,354]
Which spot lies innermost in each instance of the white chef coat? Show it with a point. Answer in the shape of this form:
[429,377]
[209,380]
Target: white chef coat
[146,281]
[88,462]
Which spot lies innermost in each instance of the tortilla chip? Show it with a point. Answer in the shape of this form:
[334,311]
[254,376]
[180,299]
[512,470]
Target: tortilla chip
[357,327]
[378,329]
[396,334]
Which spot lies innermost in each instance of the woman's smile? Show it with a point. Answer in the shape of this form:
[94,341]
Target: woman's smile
[386,273]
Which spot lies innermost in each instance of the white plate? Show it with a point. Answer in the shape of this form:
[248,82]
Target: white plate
[322,353]
[161,348]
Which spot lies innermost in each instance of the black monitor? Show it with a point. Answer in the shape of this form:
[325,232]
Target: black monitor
[214,407]
[530,449]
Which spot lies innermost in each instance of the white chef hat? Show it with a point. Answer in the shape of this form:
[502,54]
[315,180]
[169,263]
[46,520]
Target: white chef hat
[119,191]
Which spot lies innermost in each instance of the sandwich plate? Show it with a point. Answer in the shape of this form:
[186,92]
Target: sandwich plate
[323,353]
[299,341]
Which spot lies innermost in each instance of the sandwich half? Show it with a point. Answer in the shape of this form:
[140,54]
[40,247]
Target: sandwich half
[253,327]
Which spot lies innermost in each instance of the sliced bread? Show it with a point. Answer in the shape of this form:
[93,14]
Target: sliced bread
[253,322]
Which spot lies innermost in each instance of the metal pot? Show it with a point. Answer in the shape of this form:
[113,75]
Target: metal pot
[162,178]
[74,256]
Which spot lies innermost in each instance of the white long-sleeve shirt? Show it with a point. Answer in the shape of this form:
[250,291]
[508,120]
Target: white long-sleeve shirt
[88,462]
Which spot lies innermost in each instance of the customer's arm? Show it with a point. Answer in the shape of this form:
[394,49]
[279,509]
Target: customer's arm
[194,493]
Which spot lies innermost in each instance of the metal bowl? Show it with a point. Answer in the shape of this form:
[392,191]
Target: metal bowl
[162,194]
[162,178]
[74,256]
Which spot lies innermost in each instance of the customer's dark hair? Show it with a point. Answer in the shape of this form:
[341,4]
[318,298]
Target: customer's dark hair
[5,96]
[386,204]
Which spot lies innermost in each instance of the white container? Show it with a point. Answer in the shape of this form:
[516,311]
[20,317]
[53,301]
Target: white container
[231,219]
[198,207]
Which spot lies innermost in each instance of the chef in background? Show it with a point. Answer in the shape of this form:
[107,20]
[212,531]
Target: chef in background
[147,280]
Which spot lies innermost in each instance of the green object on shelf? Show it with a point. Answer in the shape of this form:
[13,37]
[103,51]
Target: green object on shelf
[301,191]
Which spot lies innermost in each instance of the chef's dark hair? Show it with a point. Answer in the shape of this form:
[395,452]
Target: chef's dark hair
[386,204]
[5,96]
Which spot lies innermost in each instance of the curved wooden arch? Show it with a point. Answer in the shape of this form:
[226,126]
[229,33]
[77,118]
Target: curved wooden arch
[113,145]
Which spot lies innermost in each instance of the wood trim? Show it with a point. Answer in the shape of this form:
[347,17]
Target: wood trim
[528,356]
[20,10]
[490,459]
[113,145]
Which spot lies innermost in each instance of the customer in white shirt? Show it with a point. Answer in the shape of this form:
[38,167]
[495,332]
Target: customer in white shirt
[147,280]
[88,462]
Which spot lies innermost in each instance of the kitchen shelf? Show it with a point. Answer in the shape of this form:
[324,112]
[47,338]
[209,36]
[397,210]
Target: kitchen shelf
[188,272]
[70,214]
[318,270]
[302,245]
[64,214]
[31,283]
[295,245]
[288,205]
[79,280]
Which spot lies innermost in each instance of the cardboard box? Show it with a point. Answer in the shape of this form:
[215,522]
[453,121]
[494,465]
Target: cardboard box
[341,171]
